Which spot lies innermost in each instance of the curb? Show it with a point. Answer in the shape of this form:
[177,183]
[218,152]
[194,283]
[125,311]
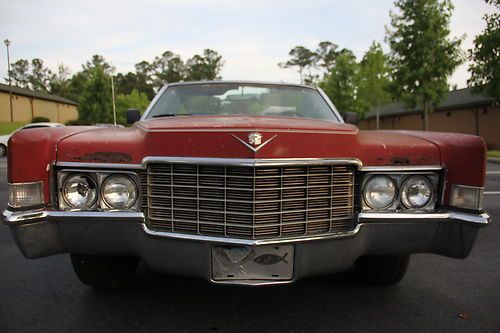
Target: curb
[494,160]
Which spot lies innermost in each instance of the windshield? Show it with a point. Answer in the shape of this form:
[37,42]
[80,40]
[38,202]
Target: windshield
[241,99]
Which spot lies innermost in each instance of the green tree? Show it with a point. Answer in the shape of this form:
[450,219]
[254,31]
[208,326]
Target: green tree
[40,76]
[340,84]
[167,69]
[302,58]
[204,67]
[19,73]
[373,80]
[76,85]
[59,84]
[134,100]
[95,102]
[485,57]
[126,83]
[423,55]
[325,55]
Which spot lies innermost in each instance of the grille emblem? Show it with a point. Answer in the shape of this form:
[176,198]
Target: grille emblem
[255,141]
[255,138]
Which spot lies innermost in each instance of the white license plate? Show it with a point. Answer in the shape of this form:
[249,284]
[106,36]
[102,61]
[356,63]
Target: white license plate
[266,262]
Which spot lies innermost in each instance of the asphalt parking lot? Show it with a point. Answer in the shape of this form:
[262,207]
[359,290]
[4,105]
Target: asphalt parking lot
[438,294]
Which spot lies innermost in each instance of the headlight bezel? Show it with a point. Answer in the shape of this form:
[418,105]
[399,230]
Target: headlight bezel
[99,176]
[400,177]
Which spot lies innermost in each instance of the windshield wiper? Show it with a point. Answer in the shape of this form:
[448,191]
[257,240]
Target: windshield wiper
[169,115]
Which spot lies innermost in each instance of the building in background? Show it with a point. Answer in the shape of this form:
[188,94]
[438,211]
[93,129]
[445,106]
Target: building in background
[27,104]
[459,112]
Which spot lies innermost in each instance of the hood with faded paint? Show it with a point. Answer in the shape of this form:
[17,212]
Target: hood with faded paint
[225,137]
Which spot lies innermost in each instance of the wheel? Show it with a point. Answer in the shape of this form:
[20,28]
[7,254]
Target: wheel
[104,271]
[381,270]
[3,150]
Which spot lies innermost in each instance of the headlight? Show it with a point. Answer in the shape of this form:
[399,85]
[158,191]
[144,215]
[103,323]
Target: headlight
[119,192]
[379,192]
[79,191]
[416,192]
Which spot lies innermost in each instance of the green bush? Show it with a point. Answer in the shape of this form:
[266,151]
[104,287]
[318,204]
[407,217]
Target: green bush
[40,120]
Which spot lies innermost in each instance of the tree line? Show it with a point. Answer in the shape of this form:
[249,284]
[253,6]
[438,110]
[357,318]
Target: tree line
[416,70]
[91,86]
[422,56]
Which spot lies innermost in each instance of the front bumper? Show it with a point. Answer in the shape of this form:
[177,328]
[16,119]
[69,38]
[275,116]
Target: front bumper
[42,233]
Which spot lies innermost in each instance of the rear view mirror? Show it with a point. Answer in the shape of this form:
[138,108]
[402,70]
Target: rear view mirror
[132,115]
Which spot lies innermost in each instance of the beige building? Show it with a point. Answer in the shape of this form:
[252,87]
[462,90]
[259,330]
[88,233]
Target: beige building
[459,112]
[27,104]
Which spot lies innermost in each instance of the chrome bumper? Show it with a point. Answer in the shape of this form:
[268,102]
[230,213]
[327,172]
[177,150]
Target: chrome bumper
[43,233]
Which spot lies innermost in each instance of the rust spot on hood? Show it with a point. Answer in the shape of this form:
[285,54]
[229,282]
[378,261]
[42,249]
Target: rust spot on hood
[398,160]
[103,157]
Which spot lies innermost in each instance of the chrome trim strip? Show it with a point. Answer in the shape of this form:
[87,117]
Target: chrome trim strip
[401,168]
[250,242]
[480,219]
[26,217]
[250,162]
[98,165]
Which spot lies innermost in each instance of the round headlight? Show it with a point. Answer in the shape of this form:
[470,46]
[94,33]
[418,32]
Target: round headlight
[119,192]
[79,191]
[379,192]
[416,192]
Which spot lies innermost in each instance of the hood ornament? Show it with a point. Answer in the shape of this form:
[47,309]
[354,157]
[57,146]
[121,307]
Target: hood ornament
[254,141]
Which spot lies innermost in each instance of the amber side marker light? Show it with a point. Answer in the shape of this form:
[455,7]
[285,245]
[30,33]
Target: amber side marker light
[25,194]
[468,197]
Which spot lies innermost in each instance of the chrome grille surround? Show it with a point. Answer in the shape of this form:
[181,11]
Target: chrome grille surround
[248,199]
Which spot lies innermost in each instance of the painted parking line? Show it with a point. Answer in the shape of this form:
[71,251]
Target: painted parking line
[492,192]
[493,172]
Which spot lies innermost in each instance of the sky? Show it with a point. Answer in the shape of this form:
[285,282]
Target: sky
[252,36]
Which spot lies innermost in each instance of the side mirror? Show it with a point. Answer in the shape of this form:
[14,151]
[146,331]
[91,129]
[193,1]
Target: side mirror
[351,118]
[132,115]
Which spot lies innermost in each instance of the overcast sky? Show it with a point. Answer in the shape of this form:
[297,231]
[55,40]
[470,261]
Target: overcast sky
[252,36]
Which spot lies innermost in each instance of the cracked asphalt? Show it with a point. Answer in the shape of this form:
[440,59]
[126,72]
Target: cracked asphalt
[438,294]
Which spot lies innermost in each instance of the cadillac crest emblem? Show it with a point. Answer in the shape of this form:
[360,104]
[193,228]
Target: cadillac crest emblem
[255,138]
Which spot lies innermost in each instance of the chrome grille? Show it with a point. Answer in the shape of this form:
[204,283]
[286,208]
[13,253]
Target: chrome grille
[251,202]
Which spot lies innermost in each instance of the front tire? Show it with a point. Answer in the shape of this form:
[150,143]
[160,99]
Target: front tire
[104,271]
[381,270]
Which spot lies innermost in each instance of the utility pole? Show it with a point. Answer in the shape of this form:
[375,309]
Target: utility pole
[7,43]
[113,97]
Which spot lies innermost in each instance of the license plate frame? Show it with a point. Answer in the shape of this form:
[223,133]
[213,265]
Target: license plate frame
[263,262]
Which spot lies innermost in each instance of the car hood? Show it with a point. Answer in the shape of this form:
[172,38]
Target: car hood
[228,137]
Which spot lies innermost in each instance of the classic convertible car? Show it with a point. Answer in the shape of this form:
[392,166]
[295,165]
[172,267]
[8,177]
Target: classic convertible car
[243,183]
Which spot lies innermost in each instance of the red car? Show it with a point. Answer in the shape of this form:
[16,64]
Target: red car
[243,183]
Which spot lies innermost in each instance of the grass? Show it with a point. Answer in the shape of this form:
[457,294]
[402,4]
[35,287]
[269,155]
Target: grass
[7,128]
[494,153]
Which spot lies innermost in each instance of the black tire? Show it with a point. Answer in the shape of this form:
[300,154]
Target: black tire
[381,270]
[3,150]
[104,271]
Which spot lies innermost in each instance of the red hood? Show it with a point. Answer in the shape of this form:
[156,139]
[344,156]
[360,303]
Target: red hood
[205,136]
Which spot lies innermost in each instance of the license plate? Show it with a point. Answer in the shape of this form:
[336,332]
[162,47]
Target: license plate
[266,262]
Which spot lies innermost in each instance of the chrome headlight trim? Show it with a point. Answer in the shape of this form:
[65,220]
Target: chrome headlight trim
[99,176]
[400,179]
